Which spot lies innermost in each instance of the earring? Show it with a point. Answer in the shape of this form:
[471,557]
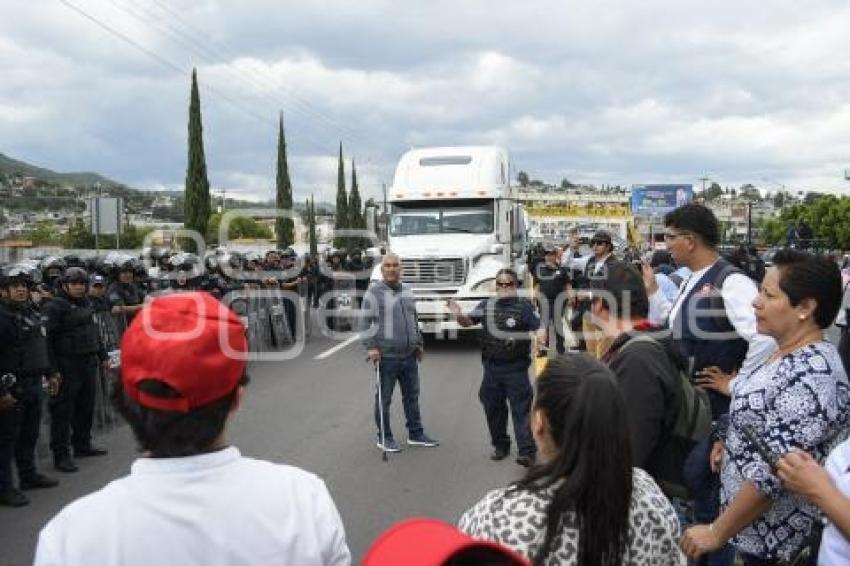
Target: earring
[802,317]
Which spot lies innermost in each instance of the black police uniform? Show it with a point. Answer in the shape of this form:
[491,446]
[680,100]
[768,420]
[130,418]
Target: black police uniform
[551,283]
[124,294]
[23,354]
[506,356]
[75,347]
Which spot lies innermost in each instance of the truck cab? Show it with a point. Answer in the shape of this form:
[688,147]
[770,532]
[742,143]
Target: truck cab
[454,223]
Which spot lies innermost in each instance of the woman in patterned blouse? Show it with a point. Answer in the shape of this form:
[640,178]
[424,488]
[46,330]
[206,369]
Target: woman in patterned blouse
[583,504]
[797,399]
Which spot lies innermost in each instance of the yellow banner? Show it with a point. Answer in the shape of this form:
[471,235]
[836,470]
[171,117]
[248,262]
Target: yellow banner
[609,210]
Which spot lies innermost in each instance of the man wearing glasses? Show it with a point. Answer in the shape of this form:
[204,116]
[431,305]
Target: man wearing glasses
[507,322]
[714,326]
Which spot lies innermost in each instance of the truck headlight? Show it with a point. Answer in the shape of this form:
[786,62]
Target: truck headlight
[486,286]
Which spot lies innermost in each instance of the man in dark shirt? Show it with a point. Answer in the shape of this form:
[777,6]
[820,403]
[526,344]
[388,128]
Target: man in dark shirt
[645,370]
[551,283]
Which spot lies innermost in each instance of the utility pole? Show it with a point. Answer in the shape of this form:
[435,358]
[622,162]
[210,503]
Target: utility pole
[704,180]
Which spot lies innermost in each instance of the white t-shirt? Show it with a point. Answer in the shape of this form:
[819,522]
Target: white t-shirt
[212,509]
[834,547]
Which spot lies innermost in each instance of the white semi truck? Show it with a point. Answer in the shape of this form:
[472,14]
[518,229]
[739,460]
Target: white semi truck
[454,223]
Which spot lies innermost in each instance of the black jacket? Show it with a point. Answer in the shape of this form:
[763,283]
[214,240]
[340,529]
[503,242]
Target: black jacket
[65,329]
[650,384]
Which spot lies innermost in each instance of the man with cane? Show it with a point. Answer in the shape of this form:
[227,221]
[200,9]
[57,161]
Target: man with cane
[394,344]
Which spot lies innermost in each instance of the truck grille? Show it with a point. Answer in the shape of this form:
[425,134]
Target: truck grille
[447,271]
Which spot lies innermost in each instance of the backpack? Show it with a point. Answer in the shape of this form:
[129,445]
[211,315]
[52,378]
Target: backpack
[691,424]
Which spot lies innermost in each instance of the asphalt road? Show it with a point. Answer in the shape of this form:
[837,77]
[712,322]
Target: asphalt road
[317,414]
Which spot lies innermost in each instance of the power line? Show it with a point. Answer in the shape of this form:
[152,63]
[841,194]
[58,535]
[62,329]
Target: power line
[226,53]
[166,62]
[199,50]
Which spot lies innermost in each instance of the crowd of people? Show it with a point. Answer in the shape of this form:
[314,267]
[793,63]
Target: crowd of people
[693,412]
[62,319]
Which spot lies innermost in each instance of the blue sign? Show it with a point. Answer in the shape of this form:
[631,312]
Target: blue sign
[654,200]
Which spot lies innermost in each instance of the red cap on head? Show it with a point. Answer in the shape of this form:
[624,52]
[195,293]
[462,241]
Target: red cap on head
[190,342]
[428,542]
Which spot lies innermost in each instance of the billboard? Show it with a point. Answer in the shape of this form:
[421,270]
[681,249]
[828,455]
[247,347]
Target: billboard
[655,200]
[106,215]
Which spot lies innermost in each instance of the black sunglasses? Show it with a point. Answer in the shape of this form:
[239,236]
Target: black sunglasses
[504,284]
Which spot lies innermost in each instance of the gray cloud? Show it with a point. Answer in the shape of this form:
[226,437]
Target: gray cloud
[605,92]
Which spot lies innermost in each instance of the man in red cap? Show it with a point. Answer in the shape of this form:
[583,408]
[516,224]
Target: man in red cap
[192,498]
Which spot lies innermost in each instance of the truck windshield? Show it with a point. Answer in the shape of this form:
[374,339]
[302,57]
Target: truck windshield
[470,216]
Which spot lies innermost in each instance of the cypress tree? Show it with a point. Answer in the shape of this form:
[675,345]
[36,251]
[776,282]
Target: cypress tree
[341,219]
[284,227]
[196,203]
[314,241]
[356,220]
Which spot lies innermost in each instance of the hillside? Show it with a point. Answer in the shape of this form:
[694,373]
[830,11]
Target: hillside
[10,167]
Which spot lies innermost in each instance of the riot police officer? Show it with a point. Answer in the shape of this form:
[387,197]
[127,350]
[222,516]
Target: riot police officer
[74,343]
[125,297]
[23,366]
[507,322]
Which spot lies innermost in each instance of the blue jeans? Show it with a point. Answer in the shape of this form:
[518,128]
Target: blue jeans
[406,372]
[704,486]
[503,383]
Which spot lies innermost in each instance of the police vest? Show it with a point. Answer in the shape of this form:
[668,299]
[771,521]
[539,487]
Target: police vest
[505,335]
[78,333]
[703,332]
[27,356]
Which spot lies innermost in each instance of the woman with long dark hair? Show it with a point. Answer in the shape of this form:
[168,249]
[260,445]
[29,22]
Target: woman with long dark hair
[583,503]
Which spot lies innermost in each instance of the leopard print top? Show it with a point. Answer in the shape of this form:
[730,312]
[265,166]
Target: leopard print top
[517,518]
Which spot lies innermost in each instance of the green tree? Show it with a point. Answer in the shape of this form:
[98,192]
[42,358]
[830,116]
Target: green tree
[341,219]
[133,236]
[197,190]
[356,218]
[239,227]
[522,178]
[44,233]
[565,184]
[79,236]
[712,192]
[284,227]
[311,228]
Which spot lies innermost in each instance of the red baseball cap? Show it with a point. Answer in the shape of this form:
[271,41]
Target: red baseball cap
[189,341]
[428,542]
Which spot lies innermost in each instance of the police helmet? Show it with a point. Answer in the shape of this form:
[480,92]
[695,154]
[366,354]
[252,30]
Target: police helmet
[52,262]
[73,260]
[253,257]
[126,263]
[11,274]
[184,261]
[235,259]
[211,261]
[75,275]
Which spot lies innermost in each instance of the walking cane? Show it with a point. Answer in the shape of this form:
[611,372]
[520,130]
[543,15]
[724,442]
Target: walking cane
[380,411]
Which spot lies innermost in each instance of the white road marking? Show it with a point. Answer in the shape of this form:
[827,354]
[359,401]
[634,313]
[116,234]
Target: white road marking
[337,348]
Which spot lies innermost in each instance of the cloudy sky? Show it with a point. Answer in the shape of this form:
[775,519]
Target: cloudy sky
[595,91]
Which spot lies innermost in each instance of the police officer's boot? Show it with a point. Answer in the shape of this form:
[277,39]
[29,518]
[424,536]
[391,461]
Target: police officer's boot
[64,464]
[13,498]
